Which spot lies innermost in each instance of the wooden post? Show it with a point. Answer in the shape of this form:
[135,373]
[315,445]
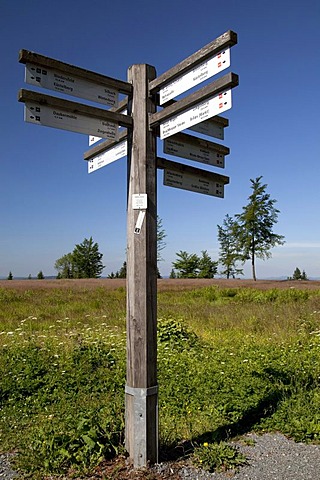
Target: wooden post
[141,386]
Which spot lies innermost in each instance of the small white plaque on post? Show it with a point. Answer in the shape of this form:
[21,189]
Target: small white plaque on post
[137,228]
[139,201]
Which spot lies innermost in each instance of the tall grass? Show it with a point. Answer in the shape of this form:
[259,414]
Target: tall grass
[229,361]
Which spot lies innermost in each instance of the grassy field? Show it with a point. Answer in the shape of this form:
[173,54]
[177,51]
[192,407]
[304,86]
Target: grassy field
[231,360]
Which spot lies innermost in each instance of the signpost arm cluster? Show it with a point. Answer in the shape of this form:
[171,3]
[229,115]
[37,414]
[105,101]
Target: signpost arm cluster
[199,111]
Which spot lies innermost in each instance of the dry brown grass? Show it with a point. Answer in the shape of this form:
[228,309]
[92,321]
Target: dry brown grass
[163,284]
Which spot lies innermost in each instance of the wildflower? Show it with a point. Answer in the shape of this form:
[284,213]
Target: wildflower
[206,444]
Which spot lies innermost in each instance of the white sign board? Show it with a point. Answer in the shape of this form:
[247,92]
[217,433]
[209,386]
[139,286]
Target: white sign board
[67,120]
[108,156]
[194,183]
[139,201]
[70,85]
[198,153]
[207,69]
[204,110]
[93,139]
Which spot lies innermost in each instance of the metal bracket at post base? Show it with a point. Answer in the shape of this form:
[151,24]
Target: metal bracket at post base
[141,444]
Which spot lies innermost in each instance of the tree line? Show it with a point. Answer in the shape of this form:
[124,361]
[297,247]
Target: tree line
[242,237]
[245,236]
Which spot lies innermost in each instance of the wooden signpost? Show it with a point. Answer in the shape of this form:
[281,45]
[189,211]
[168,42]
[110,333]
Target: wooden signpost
[143,123]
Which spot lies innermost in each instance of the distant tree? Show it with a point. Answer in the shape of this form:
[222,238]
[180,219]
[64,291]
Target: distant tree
[173,274]
[298,275]
[10,276]
[29,276]
[228,256]
[123,271]
[187,265]
[40,275]
[254,226]
[87,260]
[64,265]
[161,235]
[207,267]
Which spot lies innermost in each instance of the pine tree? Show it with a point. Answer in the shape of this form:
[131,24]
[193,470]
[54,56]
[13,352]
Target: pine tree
[10,276]
[123,271]
[254,226]
[207,267]
[173,274]
[187,265]
[228,256]
[86,260]
[64,265]
[161,235]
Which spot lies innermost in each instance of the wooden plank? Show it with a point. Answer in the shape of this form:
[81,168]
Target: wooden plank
[228,39]
[200,142]
[213,127]
[103,146]
[229,80]
[196,149]
[141,436]
[106,144]
[74,107]
[26,56]
[163,163]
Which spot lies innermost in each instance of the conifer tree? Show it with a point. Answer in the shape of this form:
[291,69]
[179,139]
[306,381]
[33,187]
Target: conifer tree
[254,226]
[228,256]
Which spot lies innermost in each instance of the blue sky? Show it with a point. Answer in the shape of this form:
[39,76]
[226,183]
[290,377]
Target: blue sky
[48,200]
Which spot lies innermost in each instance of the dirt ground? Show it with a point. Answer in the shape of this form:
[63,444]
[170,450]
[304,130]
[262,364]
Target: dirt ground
[163,284]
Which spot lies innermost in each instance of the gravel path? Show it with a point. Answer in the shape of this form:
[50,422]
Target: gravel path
[6,471]
[272,457]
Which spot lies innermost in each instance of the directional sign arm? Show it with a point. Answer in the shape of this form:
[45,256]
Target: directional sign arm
[200,143]
[164,164]
[103,146]
[25,56]
[214,88]
[74,107]
[228,39]
[106,144]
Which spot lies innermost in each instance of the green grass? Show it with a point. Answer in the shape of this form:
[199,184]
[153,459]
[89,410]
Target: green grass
[230,361]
